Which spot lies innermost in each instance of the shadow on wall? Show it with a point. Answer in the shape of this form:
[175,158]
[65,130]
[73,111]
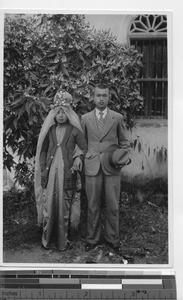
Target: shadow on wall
[149,153]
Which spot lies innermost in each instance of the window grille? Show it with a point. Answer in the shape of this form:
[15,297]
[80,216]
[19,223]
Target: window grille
[149,24]
[152,43]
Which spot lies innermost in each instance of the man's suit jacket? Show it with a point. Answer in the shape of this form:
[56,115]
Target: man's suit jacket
[113,133]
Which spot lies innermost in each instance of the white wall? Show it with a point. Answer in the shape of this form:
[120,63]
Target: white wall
[117,23]
[153,135]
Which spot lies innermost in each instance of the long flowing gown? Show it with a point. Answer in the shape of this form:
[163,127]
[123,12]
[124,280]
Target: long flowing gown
[57,202]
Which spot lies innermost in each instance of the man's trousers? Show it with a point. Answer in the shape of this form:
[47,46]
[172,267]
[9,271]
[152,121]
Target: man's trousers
[95,187]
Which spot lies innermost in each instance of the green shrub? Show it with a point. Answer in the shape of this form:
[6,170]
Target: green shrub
[45,52]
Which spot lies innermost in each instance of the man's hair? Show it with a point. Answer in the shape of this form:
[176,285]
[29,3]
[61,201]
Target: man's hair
[101,86]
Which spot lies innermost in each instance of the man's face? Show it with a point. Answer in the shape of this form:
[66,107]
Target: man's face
[101,98]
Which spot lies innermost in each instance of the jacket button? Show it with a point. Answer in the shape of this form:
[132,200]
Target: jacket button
[51,157]
[47,168]
[58,145]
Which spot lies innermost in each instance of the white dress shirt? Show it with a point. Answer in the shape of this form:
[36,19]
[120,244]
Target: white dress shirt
[98,113]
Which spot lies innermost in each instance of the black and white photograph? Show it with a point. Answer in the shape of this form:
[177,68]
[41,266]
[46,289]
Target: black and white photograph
[86,115]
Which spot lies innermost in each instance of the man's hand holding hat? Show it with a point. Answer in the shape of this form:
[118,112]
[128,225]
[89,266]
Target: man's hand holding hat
[115,158]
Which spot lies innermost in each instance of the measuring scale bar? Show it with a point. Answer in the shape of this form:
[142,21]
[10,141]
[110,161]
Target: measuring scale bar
[46,284]
[88,294]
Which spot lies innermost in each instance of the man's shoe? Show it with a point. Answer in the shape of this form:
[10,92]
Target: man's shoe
[89,246]
[116,248]
[45,247]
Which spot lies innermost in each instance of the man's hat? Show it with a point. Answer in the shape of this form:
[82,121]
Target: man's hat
[115,158]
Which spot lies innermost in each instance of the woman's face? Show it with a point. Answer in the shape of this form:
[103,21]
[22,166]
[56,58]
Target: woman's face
[61,116]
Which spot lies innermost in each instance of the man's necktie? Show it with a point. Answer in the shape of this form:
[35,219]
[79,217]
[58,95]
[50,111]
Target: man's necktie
[101,122]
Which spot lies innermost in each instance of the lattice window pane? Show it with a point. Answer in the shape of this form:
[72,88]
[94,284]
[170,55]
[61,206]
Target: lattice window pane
[149,24]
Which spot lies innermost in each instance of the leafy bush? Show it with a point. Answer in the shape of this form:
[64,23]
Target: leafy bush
[45,52]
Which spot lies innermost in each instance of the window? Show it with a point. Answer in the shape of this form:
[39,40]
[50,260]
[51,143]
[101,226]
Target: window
[149,35]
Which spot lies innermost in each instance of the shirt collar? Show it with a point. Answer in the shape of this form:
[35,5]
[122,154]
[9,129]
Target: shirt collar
[98,112]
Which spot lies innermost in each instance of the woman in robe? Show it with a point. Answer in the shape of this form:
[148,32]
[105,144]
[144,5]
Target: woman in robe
[55,171]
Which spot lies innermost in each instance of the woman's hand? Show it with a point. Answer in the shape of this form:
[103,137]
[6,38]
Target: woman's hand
[77,165]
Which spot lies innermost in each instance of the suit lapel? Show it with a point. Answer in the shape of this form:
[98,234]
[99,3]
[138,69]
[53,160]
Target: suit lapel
[93,124]
[108,123]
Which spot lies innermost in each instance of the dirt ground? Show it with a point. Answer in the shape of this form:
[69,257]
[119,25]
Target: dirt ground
[143,234]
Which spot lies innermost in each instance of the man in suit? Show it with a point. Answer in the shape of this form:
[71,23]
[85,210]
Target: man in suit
[102,128]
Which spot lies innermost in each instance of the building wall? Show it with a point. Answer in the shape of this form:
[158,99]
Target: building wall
[149,158]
